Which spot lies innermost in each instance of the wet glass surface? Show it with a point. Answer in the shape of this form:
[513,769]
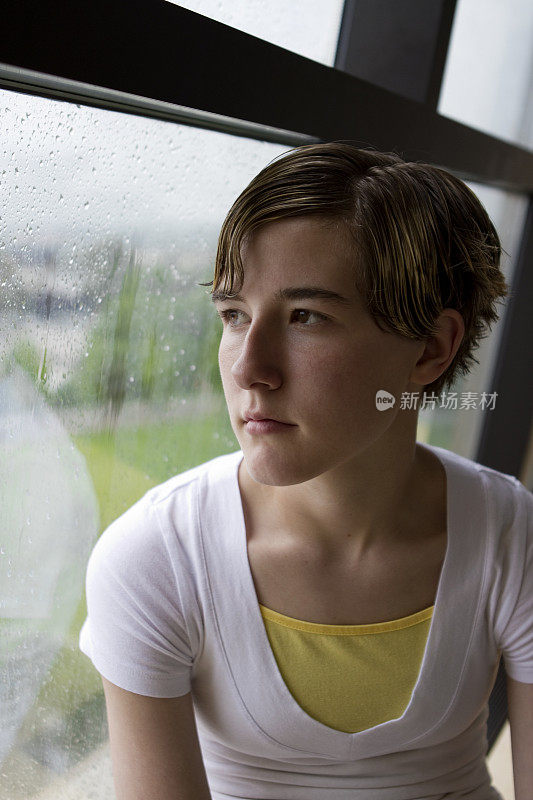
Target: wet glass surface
[109,385]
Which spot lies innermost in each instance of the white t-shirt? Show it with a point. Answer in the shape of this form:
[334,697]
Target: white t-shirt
[172,608]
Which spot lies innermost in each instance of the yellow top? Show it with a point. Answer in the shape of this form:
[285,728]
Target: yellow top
[349,677]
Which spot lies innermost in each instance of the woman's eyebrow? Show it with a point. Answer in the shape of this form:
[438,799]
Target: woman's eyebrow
[292,293]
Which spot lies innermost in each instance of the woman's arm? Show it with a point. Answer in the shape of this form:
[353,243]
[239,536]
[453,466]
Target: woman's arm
[154,747]
[520,700]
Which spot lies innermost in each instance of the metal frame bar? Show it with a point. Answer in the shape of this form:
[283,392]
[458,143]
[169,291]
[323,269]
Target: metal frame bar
[506,431]
[155,50]
[398,46]
[56,88]
[505,435]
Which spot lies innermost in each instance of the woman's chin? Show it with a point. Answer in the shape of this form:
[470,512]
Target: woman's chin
[279,469]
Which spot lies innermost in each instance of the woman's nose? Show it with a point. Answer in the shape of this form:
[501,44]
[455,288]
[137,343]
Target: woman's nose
[258,359]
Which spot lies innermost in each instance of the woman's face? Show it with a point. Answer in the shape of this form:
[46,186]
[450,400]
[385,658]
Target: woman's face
[312,362]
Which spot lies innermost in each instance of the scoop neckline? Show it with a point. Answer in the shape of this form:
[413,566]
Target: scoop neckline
[248,651]
[365,629]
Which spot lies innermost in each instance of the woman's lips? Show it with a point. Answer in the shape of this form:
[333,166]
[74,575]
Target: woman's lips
[254,426]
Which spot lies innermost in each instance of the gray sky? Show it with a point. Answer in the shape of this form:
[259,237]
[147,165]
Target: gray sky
[87,171]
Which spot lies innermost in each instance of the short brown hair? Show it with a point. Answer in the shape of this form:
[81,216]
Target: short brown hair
[424,242]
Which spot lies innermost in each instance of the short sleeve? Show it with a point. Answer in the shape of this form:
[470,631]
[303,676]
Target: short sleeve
[517,638]
[135,632]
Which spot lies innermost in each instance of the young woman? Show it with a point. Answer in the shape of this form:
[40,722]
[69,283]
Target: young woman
[321,614]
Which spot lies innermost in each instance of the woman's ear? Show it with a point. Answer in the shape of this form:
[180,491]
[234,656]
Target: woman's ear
[440,348]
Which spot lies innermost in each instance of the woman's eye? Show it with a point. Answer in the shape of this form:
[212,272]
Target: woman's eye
[305,311]
[226,315]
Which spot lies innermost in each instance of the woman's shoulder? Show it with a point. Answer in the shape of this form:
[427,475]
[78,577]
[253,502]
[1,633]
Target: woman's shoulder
[165,517]
[502,485]
[215,474]
[494,505]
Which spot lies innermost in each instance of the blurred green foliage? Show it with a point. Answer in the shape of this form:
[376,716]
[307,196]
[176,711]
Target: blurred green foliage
[27,356]
[156,337]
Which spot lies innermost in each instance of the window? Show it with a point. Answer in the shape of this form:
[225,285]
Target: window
[488,77]
[108,385]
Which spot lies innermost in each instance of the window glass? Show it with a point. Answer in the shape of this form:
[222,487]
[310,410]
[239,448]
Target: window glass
[456,422]
[488,80]
[108,385]
[309,27]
